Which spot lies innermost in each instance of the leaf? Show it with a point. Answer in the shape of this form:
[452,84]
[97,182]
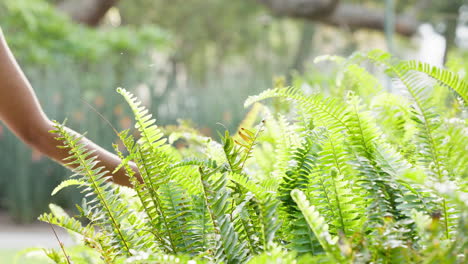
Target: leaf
[67,183]
[319,226]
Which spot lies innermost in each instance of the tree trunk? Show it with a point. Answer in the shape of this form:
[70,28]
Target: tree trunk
[449,35]
[88,12]
[304,48]
[389,24]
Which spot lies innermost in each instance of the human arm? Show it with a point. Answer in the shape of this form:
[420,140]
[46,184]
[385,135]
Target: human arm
[23,115]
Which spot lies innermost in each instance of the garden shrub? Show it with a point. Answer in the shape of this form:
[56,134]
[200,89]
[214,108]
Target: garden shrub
[64,61]
[368,177]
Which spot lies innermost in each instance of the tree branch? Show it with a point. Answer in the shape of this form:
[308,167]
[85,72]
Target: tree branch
[301,8]
[351,16]
[88,12]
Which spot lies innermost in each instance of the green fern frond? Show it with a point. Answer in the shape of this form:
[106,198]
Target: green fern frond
[359,80]
[432,154]
[246,226]
[67,183]
[143,193]
[178,210]
[363,130]
[56,256]
[228,247]
[276,254]
[60,218]
[88,234]
[150,133]
[326,112]
[257,189]
[376,166]
[210,149]
[300,236]
[247,139]
[210,164]
[261,206]
[424,114]
[239,148]
[353,77]
[457,149]
[233,153]
[334,179]
[186,174]
[150,218]
[340,182]
[152,156]
[106,202]
[443,76]
[298,177]
[320,228]
[394,115]
[203,229]
[269,217]
[281,139]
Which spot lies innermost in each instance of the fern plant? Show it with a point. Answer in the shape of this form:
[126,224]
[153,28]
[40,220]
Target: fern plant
[325,180]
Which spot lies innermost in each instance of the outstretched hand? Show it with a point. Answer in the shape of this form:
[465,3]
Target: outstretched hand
[22,113]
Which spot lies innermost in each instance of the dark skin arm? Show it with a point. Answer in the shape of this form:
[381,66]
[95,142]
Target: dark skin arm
[23,115]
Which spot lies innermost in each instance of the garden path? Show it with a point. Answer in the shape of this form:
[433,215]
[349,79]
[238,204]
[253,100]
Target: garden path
[37,234]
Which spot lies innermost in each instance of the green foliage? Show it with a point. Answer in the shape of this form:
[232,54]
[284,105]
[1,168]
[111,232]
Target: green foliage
[29,178]
[324,181]
[319,226]
[65,61]
[447,78]
[241,29]
[54,35]
[66,184]
[83,67]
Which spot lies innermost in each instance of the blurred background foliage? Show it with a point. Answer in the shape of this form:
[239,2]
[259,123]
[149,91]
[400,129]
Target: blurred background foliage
[191,60]
[38,34]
